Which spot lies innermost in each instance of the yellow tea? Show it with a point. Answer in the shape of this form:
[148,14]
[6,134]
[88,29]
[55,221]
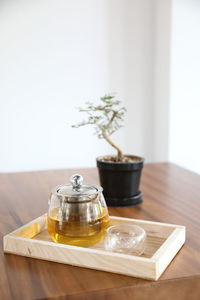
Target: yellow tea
[76,231]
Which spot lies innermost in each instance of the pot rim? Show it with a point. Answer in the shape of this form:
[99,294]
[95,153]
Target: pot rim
[142,159]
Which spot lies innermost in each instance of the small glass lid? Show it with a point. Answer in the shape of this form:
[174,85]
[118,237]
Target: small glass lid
[77,188]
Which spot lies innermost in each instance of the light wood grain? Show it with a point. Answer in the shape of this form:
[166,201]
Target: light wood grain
[22,242]
[169,249]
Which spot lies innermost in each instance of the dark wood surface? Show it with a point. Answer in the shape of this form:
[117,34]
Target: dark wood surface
[171,195]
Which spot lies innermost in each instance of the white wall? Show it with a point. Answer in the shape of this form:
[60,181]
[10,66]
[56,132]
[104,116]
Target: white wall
[140,66]
[54,55]
[138,77]
[184,147]
[161,82]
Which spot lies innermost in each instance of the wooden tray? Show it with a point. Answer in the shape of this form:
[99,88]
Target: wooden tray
[163,242]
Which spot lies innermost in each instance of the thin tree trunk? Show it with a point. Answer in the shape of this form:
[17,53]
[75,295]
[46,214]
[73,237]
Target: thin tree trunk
[119,151]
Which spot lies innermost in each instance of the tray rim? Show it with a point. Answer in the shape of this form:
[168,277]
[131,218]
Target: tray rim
[158,262]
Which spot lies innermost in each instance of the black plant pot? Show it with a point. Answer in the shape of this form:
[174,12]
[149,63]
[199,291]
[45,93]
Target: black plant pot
[121,181]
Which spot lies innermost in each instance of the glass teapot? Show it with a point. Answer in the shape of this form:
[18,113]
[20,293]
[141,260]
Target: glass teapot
[77,213]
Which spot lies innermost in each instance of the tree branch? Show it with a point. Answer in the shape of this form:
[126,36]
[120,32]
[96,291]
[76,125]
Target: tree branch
[113,116]
[119,151]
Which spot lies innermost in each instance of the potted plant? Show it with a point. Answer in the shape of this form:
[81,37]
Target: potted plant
[119,174]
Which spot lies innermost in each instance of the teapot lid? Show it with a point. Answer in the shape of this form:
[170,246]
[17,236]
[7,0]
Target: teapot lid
[77,188]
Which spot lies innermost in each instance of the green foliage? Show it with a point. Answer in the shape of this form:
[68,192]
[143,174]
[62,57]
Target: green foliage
[106,117]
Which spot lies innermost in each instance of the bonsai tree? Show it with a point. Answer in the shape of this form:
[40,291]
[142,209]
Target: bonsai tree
[106,117]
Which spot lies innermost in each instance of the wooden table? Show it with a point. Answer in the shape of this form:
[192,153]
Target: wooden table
[171,195]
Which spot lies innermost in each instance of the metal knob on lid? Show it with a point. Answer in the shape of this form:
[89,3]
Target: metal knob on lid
[77,190]
[76,181]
